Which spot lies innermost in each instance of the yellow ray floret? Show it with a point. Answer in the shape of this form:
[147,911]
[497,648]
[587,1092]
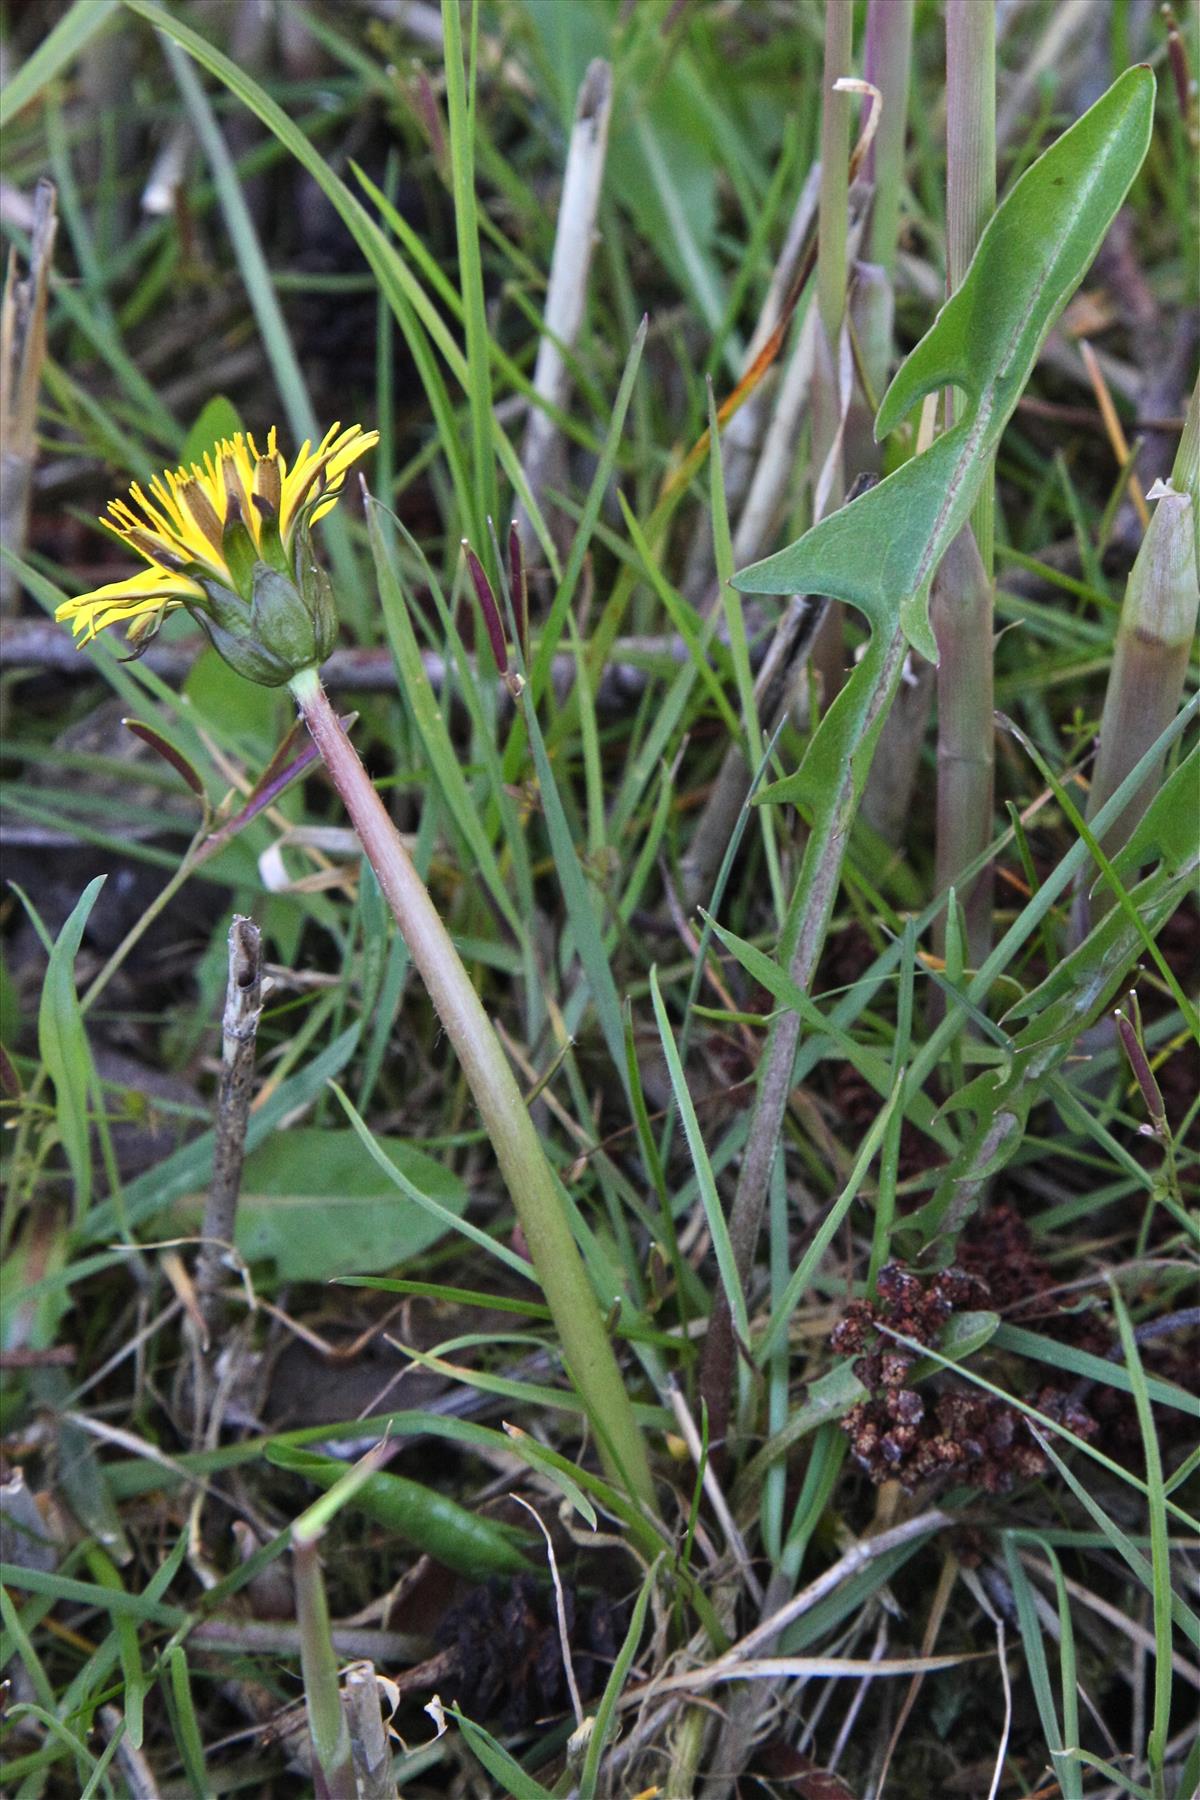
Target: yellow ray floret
[179,527]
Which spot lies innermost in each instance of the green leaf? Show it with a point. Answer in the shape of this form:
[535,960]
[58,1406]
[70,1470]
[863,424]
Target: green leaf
[189,1168]
[498,1762]
[316,1205]
[606,1712]
[1087,1367]
[710,1199]
[880,553]
[397,1178]
[436,1525]
[63,1047]
[1068,1772]
[219,418]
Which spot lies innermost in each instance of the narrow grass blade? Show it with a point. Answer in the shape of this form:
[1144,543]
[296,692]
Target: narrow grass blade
[1160,1547]
[460,108]
[1086,1367]
[496,1760]
[125,1628]
[431,724]
[714,1212]
[1066,1768]
[823,1237]
[187,1727]
[73,32]
[63,1046]
[426,1202]
[605,1718]
[581,909]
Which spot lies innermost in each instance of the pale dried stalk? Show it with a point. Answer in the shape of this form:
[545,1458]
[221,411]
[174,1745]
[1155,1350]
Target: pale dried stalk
[368,1739]
[239,1031]
[566,294]
[887,62]
[22,353]
[1153,646]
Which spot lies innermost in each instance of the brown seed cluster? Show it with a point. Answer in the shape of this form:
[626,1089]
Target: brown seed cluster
[507,1650]
[895,1435]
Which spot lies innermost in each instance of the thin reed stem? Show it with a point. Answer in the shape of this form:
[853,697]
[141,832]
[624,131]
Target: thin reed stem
[1151,653]
[970,172]
[961,604]
[888,60]
[828,474]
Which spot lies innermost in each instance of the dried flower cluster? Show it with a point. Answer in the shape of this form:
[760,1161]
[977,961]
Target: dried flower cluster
[507,1651]
[896,1435]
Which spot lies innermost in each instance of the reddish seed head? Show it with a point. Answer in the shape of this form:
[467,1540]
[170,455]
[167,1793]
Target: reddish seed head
[488,607]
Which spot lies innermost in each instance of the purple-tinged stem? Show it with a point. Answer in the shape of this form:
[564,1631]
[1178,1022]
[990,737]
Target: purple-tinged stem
[527,1174]
[961,604]
[960,610]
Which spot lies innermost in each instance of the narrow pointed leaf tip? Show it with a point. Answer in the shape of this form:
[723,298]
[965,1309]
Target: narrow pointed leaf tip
[880,553]
[488,607]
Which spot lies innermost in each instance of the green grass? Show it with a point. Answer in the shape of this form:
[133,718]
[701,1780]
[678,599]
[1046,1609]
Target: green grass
[930,1111]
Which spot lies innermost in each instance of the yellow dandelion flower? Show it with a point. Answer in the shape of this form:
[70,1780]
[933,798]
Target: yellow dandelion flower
[212,534]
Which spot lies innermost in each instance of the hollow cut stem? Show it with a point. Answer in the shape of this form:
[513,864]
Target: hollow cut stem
[527,1174]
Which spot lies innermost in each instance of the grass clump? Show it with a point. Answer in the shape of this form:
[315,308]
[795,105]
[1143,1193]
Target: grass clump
[741,1334]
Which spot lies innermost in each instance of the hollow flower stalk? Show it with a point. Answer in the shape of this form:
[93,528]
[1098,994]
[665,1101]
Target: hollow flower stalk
[230,542]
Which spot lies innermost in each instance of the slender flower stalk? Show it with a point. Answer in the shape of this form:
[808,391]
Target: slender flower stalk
[230,542]
[506,1119]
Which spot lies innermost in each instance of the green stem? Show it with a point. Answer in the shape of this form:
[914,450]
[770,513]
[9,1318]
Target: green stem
[800,945]
[960,610]
[528,1175]
[192,857]
[888,61]
[318,1662]
[833,225]
[833,208]
[971,173]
